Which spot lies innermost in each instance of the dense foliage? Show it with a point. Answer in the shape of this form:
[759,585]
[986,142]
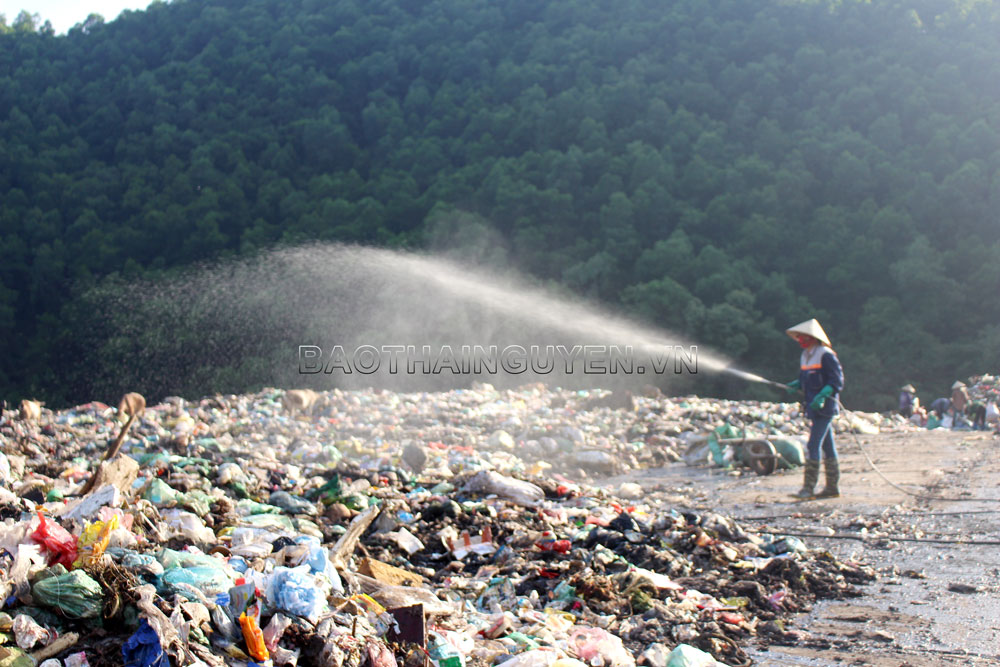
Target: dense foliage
[722,168]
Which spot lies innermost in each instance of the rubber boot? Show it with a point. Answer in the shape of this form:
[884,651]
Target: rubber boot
[832,488]
[809,479]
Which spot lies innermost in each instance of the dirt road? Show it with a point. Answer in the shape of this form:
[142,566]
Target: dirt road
[936,599]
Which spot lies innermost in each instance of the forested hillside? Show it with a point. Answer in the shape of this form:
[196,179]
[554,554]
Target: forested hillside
[723,168]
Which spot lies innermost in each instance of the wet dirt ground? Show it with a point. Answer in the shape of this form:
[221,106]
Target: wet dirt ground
[937,597]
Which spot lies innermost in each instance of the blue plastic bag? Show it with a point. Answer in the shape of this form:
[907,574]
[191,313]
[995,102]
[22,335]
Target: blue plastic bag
[294,590]
[317,558]
[143,649]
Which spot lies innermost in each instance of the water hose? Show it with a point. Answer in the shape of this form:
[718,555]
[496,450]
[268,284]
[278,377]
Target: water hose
[921,496]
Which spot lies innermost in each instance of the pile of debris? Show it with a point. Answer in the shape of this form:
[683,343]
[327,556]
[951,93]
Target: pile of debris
[374,528]
[985,388]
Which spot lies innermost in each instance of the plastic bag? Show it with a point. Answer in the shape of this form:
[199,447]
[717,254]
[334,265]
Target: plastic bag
[685,655]
[379,655]
[407,541]
[514,490]
[28,633]
[78,659]
[246,507]
[143,648]
[189,526]
[142,564]
[790,452]
[159,493]
[93,541]
[11,535]
[291,504]
[272,633]
[590,644]
[230,472]
[542,657]
[29,560]
[208,580]
[315,555]
[294,590]
[254,637]
[57,541]
[197,501]
[170,558]
[75,594]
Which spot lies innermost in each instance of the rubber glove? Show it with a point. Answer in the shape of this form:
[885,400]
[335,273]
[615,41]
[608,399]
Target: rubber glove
[820,400]
[793,386]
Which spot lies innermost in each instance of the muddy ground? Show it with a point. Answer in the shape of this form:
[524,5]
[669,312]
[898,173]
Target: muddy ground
[935,602]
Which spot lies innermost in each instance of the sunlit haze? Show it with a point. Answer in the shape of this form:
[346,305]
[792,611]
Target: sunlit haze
[64,14]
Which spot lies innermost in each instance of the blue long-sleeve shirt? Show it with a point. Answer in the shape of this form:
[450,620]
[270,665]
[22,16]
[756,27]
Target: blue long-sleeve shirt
[819,367]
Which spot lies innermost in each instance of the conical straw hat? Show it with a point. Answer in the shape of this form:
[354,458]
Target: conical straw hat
[809,328]
[910,388]
[958,383]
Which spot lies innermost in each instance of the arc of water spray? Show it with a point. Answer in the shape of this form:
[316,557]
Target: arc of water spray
[533,304]
[520,301]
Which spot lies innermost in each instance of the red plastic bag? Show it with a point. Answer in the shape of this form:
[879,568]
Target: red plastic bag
[58,542]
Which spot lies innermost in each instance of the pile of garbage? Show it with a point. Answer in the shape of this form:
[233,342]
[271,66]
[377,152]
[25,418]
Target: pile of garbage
[985,388]
[383,529]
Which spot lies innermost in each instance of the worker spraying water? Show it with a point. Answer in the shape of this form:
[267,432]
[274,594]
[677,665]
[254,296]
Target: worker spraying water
[821,378]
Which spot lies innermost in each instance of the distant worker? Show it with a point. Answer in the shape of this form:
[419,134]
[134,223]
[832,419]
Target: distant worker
[959,401]
[940,406]
[822,379]
[976,412]
[907,398]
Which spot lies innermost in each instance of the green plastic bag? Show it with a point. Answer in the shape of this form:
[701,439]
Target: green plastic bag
[198,502]
[159,493]
[790,453]
[329,493]
[724,432]
[75,594]
[246,507]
